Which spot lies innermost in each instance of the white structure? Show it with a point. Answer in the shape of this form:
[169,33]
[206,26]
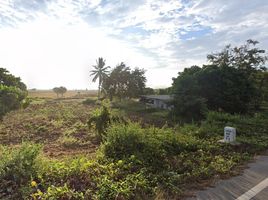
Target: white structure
[229,134]
[158,101]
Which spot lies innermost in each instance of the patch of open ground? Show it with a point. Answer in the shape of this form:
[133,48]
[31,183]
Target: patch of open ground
[68,94]
[60,125]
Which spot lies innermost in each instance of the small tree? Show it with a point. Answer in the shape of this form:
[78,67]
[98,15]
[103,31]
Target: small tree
[12,92]
[101,118]
[60,90]
[57,91]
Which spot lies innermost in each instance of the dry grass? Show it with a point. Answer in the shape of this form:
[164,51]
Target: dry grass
[60,125]
[69,94]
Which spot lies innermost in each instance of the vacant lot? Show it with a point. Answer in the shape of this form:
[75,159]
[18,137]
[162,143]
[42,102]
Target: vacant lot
[68,94]
[135,160]
[60,125]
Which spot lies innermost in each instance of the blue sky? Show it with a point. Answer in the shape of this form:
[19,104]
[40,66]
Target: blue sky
[55,42]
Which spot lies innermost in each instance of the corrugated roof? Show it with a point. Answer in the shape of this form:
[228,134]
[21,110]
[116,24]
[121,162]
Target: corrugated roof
[160,97]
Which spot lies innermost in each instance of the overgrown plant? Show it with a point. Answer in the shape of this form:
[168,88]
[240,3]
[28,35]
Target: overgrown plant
[101,118]
[17,168]
[12,92]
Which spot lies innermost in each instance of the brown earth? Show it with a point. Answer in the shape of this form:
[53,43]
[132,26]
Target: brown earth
[59,125]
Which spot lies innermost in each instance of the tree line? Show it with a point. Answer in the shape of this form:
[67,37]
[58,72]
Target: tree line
[234,81]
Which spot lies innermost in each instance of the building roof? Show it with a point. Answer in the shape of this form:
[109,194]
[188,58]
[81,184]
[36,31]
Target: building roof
[159,97]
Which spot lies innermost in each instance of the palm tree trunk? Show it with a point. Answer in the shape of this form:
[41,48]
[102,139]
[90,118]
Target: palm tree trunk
[99,88]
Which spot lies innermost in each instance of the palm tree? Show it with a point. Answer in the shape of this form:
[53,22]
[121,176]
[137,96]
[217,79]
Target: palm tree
[99,72]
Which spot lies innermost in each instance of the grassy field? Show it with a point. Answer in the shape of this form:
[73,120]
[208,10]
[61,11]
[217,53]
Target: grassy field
[139,112]
[48,151]
[68,94]
[60,125]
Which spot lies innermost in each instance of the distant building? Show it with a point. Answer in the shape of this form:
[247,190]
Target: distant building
[158,101]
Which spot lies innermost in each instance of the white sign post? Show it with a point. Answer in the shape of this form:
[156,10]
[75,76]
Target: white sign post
[229,134]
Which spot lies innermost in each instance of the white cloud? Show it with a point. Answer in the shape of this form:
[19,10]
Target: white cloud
[163,36]
[51,53]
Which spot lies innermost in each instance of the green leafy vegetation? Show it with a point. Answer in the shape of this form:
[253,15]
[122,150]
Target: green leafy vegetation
[17,167]
[122,82]
[135,162]
[89,101]
[101,118]
[60,126]
[239,80]
[139,112]
[87,149]
[12,92]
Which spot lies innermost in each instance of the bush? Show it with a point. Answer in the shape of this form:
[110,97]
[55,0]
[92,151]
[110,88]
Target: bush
[11,98]
[54,193]
[81,178]
[70,142]
[17,168]
[89,101]
[101,118]
[245,125]
[26,102]
[189,108]
[12,92]
[152,146]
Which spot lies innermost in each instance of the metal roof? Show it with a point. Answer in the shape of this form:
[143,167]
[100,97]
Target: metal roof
[159,97]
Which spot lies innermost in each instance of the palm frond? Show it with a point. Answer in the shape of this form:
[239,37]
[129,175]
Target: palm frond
[95,77]
[95,67]
[106,68]
[93,72]
[100,62]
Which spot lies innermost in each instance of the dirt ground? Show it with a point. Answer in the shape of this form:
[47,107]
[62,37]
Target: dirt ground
[59,125]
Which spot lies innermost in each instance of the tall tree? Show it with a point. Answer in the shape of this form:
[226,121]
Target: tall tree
[99,72]
[249,60]
[116,83]
[247,57]
[136,84]
[8,79]
[124,83]
[234,82]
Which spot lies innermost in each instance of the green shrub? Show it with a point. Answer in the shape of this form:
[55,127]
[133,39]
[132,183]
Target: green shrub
[189,108]
[109,180]
[55,193]
[26,102]
[17,168]
[131,187]
[101,118]
[70,142]
[89,101]
[10,99]
[153,146]
[245,125]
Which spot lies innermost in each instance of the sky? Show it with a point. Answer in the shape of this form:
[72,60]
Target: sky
[51,43]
